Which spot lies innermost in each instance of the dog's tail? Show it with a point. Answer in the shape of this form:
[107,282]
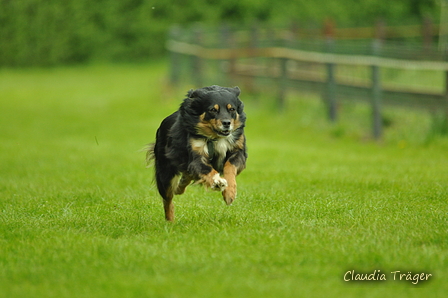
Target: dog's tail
[150,156]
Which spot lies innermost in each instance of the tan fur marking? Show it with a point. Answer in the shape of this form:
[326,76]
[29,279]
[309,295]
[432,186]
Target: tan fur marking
[169,210]
[216,107]
[229,106]
[237,122]
[206,128]
[198,146]
[230,172]
[240,142]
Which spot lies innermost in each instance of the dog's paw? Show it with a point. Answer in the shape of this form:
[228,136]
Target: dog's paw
[229,195]
[218,183]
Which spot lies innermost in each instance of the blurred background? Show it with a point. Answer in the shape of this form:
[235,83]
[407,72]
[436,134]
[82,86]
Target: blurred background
[54,32]
[380,52]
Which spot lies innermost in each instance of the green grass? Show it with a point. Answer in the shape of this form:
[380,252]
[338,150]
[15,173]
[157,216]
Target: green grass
[79,216]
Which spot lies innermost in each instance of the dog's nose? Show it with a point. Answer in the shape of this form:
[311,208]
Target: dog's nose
[225,123]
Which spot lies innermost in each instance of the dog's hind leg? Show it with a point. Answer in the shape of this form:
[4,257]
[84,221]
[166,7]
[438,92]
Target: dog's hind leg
[169,208]
[166,186]
[183,183]
[168,203]
[176,186]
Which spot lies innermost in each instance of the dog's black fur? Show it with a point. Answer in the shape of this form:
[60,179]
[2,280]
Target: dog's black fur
[201,141]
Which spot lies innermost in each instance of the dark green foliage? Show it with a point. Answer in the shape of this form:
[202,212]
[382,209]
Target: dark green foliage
[51,32]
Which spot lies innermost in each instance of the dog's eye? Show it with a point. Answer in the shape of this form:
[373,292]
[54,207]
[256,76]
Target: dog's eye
[213,110]
[232,109]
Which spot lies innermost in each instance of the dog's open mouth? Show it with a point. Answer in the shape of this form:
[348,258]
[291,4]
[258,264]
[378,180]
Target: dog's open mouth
[224,133]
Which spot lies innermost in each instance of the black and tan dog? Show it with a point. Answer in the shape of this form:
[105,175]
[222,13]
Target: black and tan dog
[201,141]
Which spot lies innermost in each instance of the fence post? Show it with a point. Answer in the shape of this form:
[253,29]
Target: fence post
[294,28]
[197,70]
[229,41]
[330,96]
[271,40]
[445,107]
[445,104]
[427,30]
[376,101]
[254,40]
[175,58]
[282,82]
[226,43]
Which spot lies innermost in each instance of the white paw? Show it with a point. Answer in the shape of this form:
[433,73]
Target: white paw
[219,183]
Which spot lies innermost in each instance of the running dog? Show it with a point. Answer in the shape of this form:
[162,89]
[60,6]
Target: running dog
[204,142]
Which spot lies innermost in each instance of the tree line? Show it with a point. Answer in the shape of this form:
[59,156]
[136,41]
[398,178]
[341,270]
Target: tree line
[54,32]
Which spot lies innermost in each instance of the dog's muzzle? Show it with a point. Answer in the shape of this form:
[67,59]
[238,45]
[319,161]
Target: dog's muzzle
[226,128]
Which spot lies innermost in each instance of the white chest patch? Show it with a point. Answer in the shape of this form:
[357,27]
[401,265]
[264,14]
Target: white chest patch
[199,145]
[222,146]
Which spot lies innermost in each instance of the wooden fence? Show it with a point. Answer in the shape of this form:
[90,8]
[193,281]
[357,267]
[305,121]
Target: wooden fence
[291,59]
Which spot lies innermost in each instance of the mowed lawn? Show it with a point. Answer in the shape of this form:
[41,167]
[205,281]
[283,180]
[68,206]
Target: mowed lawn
[80,216]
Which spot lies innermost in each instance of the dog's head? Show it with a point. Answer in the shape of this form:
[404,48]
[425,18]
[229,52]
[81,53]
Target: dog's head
[217,111]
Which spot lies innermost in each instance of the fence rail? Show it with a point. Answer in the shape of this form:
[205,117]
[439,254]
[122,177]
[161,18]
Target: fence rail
[300,55]
[244,55]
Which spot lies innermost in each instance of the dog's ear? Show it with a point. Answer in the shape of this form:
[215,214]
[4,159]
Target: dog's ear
[189,93]
[236,90]
[192,105]
[196,93]
[240,107]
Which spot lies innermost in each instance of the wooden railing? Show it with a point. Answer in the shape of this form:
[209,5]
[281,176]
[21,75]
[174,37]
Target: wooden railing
[242,56]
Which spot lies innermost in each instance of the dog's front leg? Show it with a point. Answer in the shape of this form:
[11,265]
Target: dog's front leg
[206,174]
[214,181]
[232,167]
[230,172]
